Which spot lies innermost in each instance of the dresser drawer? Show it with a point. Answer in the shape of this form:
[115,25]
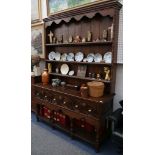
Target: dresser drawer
[85,107]
[37,92]
[66,102]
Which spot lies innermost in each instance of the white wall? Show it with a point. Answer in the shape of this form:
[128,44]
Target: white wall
[119,71]
[118,86]
[44,10]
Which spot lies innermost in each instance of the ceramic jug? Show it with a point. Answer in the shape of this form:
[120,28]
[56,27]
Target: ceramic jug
[45,77]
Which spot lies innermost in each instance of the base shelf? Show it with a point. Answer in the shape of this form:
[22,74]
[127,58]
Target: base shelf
[81,134]
[85,136]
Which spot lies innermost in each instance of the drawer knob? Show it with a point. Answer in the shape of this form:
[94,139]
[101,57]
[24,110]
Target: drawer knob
[89,110]
[101,102]
[82,126]
[64,102]
[76,106]
[54,101]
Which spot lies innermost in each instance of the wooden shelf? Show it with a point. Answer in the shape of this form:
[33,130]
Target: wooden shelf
[85,136]
[75,62]
[78,134]
[81,44]
[81,78]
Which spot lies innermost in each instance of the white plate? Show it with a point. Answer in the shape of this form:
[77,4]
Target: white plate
[64,69]
[107,57]
[90,57]
[91,54]
[70,57]
[98,57]
[63,57]
[51,55]
[79,56]
[57,56]
[71,73]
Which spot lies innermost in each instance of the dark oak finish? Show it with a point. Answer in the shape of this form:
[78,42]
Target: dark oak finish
[75,62]
[80,44]
[81,117]
[82,78]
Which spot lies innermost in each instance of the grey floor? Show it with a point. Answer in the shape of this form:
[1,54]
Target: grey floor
[46,141]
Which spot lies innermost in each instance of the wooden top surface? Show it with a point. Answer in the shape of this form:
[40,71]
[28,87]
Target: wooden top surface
[74,93]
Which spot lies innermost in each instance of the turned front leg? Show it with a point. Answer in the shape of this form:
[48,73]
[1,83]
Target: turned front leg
[71,128]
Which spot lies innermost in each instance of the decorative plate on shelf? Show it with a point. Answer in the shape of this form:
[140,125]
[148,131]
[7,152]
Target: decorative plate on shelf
[98,57]
[70,57]
[79,56]
[64,57]
[107,57]
[90,57]
[64,69]
[57,56]
[71,73]
[51,55]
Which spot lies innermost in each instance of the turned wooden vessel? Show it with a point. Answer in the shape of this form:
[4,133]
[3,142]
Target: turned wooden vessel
[96,89]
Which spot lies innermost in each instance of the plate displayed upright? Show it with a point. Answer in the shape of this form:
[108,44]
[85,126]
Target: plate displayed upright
[51,55]
[90,57]
[79,56]
[107,57]
[64,57]
[98,57]
[64,69]
[70,57]
[57,56]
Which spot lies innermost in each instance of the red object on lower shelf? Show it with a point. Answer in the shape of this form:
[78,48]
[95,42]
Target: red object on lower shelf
[46,112]
[60,118]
